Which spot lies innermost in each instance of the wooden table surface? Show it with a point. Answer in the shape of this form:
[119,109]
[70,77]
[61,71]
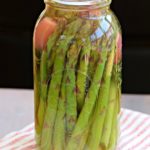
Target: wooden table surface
[16,108]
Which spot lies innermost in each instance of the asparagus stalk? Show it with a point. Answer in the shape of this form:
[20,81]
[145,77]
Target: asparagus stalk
[83,120]
[106,133]
[114,128]
[44,75]
[59,130]
[70,95]
[71,104]
[100,111]
[82,73]
[36,91]
[85,64]
[93,58]
[83,145]
[43,91]
[53,38]
[52,44]
[54,89]
[117,78]
[72,57]
[113,137]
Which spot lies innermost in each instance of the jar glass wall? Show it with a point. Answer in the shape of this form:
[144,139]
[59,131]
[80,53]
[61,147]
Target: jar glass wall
[77,76]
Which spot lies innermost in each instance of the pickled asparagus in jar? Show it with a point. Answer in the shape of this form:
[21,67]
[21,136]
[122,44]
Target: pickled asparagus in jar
[77,76]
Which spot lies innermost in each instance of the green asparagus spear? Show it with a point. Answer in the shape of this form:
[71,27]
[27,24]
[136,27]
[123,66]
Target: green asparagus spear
[84,117]
[114,136]
[44,73]
[70,95]
[82,73]
[59,130]
[36,91]
[93,58]
[71,104]
[52,42]
[106,133]
[100,111]
[117,78]
[43,90]
[83,145]
[114,128]
[54,89]
[72,58]
[59,137]
[113,139]
[53,38]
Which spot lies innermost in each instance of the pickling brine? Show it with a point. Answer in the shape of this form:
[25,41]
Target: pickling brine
[77,49]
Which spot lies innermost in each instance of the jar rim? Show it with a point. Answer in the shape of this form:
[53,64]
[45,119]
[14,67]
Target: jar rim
[80,3]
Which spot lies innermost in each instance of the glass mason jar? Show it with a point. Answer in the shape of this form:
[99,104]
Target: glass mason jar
[77,75]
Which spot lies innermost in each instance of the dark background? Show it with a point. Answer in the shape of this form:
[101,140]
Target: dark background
[17,20]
